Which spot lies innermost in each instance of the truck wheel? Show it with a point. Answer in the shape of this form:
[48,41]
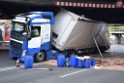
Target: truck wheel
[39,57]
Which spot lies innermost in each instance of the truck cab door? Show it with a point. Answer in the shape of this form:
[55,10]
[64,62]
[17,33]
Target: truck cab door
[36,39]
[40,37]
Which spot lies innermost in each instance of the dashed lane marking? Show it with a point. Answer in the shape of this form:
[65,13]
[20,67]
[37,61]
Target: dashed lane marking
[73,73]
[14,67]
[79,71]
[7,68]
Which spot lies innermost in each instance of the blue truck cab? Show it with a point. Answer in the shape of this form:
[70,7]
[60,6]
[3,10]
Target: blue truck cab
[31,35]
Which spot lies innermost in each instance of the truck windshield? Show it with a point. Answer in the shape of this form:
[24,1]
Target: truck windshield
[18,27]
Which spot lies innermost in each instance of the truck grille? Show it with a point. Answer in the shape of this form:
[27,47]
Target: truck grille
[16,45]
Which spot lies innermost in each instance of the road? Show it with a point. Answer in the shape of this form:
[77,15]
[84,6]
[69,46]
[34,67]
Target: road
[42,73]
[5,60]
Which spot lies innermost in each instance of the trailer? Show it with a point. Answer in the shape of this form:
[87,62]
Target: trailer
[75,32]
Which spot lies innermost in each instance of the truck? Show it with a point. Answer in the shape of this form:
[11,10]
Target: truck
[44,36]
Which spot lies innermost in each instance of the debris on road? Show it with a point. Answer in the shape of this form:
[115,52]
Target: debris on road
[113,62]
[109,62]
[51,62]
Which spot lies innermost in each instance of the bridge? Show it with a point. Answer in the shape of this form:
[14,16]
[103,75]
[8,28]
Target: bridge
[109,11]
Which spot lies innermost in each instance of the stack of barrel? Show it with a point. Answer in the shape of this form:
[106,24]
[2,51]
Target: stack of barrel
[75,61]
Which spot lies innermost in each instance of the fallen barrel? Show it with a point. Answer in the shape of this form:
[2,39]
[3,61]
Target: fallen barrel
[93,62]
[73,61]
[80,63]
[28,61]
[87,63]
[60,60]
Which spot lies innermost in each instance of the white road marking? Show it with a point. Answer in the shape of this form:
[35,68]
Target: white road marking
[96,67]
[72,73]
[41,68]
[36,64]
[14,67]
[7,68]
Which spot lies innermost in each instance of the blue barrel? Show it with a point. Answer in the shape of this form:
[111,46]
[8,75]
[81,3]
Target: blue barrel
[80,63]
[87,63]
[28,61]
[93,62]
[60,60]
[73,61]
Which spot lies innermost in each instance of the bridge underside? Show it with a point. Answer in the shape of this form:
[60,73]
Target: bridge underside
[110,15]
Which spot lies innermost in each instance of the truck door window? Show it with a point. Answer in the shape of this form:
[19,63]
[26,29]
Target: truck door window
[35,31]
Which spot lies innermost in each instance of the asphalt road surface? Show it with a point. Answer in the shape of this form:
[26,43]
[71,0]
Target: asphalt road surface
[5,60]
[42,73]
[46,74]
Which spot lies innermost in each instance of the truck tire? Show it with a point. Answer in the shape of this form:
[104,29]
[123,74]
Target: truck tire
[39,57]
